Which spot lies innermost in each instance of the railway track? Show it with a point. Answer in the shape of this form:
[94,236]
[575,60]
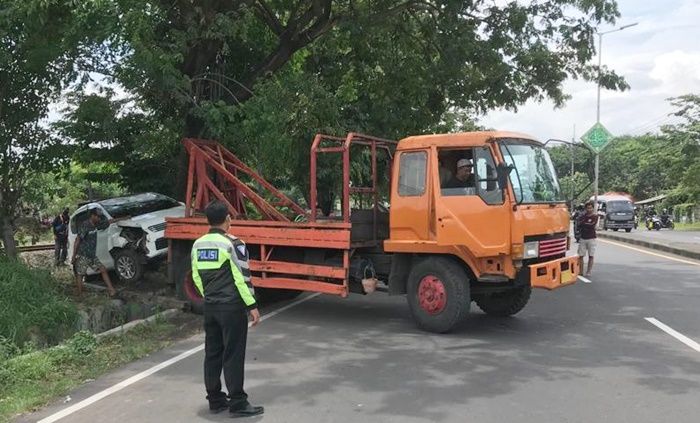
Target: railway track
[31,248]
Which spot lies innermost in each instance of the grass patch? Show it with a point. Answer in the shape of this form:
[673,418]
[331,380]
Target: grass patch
[34,311]
[688,226]
[32,380]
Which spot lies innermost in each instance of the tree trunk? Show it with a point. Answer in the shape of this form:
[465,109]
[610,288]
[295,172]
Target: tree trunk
[8,237]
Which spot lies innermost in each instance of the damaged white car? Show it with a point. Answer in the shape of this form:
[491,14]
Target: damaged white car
[127,246]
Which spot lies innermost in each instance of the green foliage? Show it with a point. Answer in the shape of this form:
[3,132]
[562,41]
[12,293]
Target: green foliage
[82,343]
[119,144]
[31,380]
[647,165]
[578,188]
[51,192]
[32,307]
[42,43]
[266,76]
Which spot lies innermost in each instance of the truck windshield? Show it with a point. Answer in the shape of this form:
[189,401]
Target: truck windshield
[619,206]
[533,178]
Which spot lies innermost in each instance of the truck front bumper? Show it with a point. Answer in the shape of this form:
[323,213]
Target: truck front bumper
[553,274]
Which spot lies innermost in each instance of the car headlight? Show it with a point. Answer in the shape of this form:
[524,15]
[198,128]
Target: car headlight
[531,250]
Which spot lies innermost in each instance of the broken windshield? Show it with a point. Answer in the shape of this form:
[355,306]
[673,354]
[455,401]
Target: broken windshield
[136,205]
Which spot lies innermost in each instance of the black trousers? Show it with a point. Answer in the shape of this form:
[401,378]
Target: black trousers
[61,249]
[226,333]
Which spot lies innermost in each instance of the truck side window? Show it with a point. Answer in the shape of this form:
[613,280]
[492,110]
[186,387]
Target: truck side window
[412,171]
[487,179]
[458,166]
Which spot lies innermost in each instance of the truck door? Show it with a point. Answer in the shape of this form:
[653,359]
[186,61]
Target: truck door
[472,213]
[410,199]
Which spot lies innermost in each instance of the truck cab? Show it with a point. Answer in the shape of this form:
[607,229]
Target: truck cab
[505,230]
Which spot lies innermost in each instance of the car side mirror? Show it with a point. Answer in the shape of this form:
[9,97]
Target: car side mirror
[503,172]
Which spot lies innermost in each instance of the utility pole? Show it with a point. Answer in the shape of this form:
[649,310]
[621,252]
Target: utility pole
[597,119]
[573,189]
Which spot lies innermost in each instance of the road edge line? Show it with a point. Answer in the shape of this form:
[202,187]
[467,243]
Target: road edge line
[619,244]
[679,336]
[148,372]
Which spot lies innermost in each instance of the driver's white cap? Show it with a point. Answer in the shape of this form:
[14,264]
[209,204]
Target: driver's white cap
[464,162]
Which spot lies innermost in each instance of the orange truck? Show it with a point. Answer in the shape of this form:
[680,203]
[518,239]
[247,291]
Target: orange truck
[443,219]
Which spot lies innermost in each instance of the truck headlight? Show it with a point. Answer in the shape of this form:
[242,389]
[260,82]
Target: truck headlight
[531,250]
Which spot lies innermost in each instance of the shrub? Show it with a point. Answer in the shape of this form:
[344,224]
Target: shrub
[33,310]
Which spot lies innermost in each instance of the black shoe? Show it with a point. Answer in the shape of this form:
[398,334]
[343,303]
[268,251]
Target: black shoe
[216,408]
[247,411]
[218,403]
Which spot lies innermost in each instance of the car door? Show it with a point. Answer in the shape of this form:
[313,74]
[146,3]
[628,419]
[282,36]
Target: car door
[78,218]
[103,242]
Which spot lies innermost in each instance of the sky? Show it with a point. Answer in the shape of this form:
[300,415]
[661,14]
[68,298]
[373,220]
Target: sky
[659,58]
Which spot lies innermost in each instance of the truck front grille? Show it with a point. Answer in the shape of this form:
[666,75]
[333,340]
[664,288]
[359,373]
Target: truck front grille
[552,247]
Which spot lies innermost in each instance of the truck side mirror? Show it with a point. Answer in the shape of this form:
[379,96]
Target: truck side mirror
[503,172]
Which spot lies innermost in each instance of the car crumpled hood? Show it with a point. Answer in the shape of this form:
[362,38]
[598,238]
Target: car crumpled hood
[149,219]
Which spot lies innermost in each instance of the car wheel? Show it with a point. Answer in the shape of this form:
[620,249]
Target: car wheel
[128,265]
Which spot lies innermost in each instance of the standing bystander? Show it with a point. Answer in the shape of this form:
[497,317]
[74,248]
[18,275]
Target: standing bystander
[587,223]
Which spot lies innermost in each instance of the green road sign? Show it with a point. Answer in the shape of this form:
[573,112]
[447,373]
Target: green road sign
[597,138]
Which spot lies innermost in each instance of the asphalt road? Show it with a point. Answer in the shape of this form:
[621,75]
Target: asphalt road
[584,353]
[665,235]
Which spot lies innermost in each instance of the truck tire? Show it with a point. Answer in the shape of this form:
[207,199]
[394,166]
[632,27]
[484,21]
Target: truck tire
[506,303]
[128,265]
[180,272]
[438,294]
[192,294]
[615,229]
[628,230]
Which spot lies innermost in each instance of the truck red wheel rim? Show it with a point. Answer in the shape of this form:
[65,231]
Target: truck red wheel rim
[190,290]
[431,295]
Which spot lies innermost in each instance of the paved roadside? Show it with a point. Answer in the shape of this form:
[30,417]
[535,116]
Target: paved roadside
[581,354]
[683,243]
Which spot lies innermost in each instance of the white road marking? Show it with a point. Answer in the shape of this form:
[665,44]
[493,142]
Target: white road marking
[679,336]
[130,381]
[694,263]
[584,279]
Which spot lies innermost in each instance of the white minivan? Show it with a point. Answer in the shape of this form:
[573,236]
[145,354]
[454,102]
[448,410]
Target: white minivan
[128,245]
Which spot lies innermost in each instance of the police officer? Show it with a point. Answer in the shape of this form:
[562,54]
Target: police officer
[221,274]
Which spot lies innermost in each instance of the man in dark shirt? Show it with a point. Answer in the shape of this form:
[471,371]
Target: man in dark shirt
[85,250]
[60,233]
[463,178]
[587,223]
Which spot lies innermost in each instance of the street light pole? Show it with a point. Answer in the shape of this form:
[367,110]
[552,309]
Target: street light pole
[573,190]
[597,117]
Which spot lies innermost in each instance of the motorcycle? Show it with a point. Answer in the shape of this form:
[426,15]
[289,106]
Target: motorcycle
[657,223]
[666,221]
[653,222]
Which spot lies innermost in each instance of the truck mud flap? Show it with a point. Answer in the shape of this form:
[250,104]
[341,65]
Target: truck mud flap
[554,274]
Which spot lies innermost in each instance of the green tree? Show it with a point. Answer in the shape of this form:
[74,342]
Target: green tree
[130,144]
[651,164]
[41,46]
[391,68]
[685,137]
